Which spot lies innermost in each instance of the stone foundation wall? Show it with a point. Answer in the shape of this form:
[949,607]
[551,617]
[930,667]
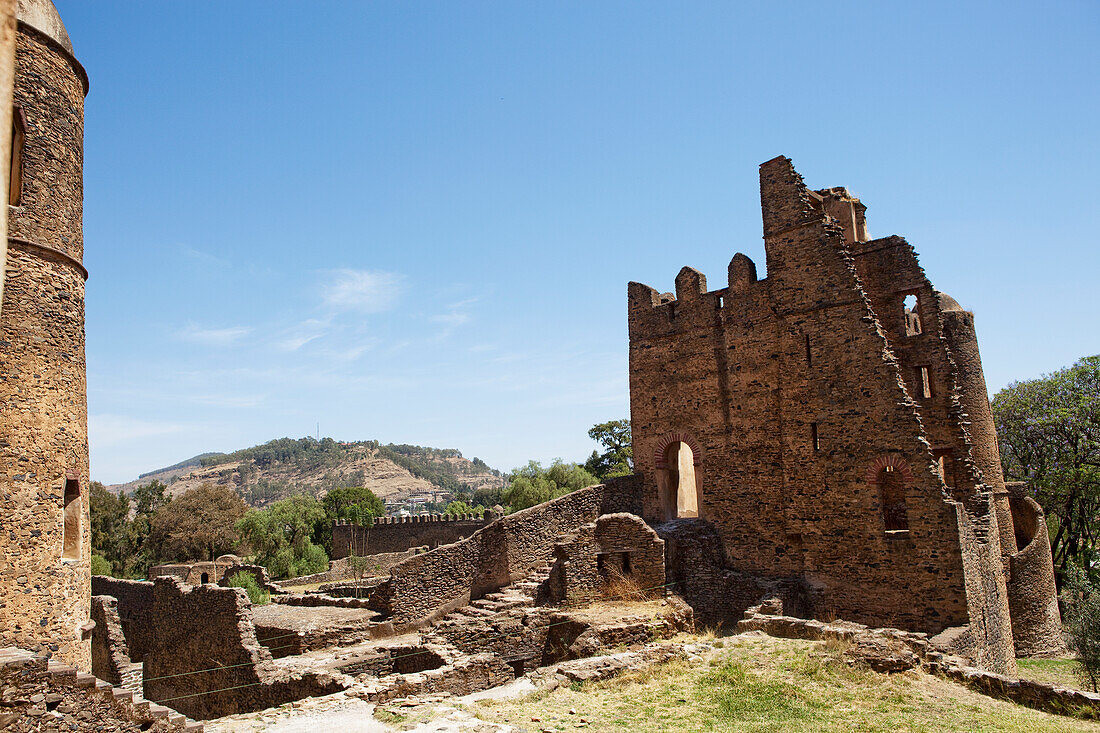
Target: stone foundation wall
[110,655]
[43,696]
[204,658]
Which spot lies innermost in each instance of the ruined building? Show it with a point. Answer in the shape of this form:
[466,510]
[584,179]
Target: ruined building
[828,428]
[45,578]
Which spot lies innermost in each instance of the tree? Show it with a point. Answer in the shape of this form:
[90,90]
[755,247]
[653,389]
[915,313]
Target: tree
[112,541]
[281,536]
[533,484]
[462,507]
[1049,433]
[355,503]
[1081,599]
[200,524]
[618,456]
[150,497]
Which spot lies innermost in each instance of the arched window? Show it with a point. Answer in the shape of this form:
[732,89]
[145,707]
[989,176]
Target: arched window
[71,523]
[204,578]
[15,173]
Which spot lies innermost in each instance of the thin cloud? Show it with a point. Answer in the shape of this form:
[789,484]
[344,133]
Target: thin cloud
[300,335]
[212,336]
[365,291]
[456,314]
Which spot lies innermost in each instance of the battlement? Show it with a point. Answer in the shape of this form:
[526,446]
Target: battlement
[398,534]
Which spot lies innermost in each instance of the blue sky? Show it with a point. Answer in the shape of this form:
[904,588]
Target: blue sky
[415,221]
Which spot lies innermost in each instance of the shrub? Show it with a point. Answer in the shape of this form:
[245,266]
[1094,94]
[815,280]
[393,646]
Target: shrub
[256,594]
[100,565]
[1082,604]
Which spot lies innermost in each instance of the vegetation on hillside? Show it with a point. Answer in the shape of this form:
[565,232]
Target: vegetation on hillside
[534,484]
[1049,433]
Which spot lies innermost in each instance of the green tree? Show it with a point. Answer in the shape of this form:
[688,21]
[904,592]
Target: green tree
[1081,600]
[112,539]
[1049,433]
[461,507]
[281,536]
[533,484]
[150,497]
[617,458]
[199,525]
[354,503]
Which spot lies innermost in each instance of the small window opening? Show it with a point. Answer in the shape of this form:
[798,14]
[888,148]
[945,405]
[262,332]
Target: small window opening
[71,521]
[721,301]
[809,354]
[911,311]
[814,438]
[600,562]
[626,564]
[15,179]
[204,578]
[924,382]
[517,667]
[892,496]
[945,465]
[672,310]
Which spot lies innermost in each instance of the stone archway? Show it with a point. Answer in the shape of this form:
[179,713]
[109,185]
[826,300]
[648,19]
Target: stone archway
[678,463]
[891,477]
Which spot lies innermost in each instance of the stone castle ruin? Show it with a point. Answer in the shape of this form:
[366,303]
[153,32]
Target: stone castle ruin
[828,427]
[815,444]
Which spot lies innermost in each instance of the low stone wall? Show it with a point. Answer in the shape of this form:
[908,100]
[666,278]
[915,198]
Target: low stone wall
[451,576]
[1039,695]
[400,534]
[616,553]
[343,568]
[44,695]
[205,660]
[135,606]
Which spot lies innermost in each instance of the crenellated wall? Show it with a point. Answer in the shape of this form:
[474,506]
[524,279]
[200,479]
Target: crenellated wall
[399,534]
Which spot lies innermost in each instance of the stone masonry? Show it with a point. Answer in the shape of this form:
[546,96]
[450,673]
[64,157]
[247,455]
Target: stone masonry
[831,422]
[45,544]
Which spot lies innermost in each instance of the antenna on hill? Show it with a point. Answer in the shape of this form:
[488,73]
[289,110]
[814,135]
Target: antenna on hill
[318,432]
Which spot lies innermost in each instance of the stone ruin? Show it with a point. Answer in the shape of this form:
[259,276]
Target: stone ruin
[816,443]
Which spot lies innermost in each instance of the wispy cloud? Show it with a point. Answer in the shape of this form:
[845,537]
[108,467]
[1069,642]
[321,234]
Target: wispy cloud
[456,315]
[195,334]
[366,291]
[298,336]
[204,258]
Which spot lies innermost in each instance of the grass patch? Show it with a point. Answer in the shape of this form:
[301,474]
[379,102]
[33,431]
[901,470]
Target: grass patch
[1065,672]
[767,685]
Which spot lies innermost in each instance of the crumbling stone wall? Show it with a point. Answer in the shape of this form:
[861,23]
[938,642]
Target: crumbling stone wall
[616,548]
[205,661]
[831,434]
[44,585]
[1032,595]
[452,575]
[400,534]
[134,605]
[110,655]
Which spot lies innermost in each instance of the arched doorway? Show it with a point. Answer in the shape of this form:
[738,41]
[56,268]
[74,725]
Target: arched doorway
[204,578]
[678,479]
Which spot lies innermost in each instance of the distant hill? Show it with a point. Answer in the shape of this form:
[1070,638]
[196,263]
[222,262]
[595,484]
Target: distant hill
[279,468]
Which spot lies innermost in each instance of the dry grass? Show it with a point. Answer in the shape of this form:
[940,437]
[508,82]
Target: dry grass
[1065,672]
[767,685]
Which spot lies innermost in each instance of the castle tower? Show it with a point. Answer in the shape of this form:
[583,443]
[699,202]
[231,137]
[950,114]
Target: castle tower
[45,574]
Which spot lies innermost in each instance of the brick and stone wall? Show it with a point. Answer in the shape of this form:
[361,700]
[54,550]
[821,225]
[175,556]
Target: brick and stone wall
[616,549]
[134,605]
[400,534]
[828,431]
[44,585]
[506,550]
[205,661]
[110,654]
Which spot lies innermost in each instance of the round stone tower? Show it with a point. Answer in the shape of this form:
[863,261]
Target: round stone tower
[45,533]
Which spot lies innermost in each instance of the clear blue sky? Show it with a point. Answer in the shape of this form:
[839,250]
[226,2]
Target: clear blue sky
[415,221]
